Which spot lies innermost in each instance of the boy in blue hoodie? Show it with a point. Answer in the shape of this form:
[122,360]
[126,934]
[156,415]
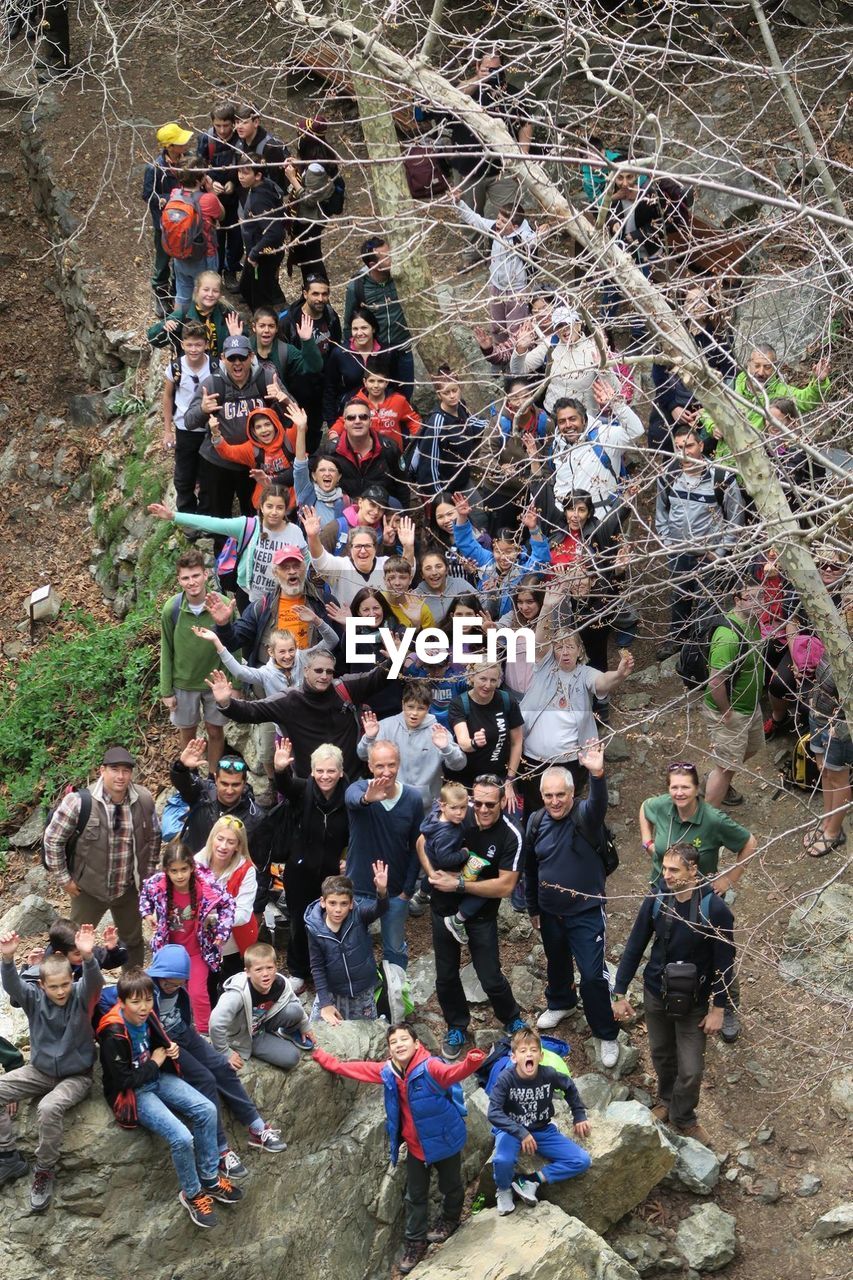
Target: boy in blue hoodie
[340,949]
[201,1065]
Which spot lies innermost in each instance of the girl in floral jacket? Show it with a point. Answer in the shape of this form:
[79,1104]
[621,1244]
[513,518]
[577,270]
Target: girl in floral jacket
[185,905]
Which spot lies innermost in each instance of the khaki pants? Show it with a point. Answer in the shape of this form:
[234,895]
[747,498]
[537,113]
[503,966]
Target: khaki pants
[124,910]
[57,1097]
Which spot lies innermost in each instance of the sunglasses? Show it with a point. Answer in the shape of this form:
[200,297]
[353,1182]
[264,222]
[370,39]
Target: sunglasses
[232,358]
[235,823]
[356,417]
[323,671]
[681,766]
[232,765]
[486,804]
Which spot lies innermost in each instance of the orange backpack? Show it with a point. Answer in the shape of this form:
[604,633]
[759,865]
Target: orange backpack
[181,227]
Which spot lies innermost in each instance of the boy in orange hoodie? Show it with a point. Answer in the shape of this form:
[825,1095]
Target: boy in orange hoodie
[268,452]
[390,415]
[424,1109]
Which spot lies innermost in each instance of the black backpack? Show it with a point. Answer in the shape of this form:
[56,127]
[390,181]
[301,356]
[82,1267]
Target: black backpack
[603,841]
[693,660]
[334,202]
[82,821]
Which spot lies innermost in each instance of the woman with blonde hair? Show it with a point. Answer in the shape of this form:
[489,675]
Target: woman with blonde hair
[226,855]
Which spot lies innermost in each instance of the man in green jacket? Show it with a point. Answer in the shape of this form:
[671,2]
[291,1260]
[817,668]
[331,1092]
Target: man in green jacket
[186,660]
[759,383]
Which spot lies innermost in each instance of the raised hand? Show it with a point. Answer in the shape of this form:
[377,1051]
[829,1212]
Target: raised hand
[283,757]
[295,412]
[821,369]
[111,936]
[484,339]
[210,401]
[389,529]
[214,425]
[440,736]
[376,790]
[626,665]
[338,612]
[84,940]
[275,391]
[204,633]
[161,511]
[530,519]
[305,614]
[525,337]
[603,392]
[305,327]
[8,942]
[407,533]
[380,878]
[370,723]
[260,477]
[463,508]
[220,608]
[591,756]
[233,324]
[194,753]
[310,522]
[35,957]
[221,688]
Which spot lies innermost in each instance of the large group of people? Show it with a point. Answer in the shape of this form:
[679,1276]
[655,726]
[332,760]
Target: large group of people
[388,791]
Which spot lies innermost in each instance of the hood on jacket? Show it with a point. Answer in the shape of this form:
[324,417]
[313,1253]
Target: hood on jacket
[171,961]
[253,418]
[420,1055]
[112,1018]
[315,921]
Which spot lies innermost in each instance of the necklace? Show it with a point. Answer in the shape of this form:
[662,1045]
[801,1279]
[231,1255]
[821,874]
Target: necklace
[562,693]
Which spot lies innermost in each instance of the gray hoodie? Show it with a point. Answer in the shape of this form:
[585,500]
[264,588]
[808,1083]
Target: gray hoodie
[231,1020]
[62,1041]
[421,762]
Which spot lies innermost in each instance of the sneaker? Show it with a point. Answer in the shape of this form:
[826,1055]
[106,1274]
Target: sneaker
[552,1018]
[413,1252]
[453,1044]
[775,728]
[731,1025]
[232,1167]
[517,1024]
[224,1190]
[455,926]
[268,1140]
[41,1192]
[298,1038]
[506,1204]
[442,1231]
[732,798]
[526,1189]
[418,903]
[298,984]
[12,1166]
[200,1209]
[609,1052]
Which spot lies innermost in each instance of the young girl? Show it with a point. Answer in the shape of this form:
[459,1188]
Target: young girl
[226,857]
[186,905]
[218,318]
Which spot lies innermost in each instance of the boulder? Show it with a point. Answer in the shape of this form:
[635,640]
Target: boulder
[597,1091]
[819,943]
[841,1095]
[30,834]
[838,1222]
[544,1245]
[706,1238]
[33,914]
[86,411]
[645,1247]
[13,1022]
[422,978]
[696,1167]
[628,1055]
[789,311]
[526,987]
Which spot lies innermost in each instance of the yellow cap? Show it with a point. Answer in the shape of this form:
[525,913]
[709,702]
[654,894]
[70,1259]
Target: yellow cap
[172,135]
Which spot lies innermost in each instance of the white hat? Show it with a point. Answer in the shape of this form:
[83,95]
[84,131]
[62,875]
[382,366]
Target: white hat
[564,315]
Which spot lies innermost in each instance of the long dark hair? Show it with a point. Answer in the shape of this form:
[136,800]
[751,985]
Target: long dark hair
[371,593]
[177,851]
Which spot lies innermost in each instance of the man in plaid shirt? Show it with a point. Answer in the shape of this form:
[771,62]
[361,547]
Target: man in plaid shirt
[101,863]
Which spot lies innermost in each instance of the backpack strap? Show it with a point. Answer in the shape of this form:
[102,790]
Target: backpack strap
[466,704]
[358,293]
[85,812]
[248,533]
[722,480]
[603,456]
[534,822]
[175,613]
[505,700]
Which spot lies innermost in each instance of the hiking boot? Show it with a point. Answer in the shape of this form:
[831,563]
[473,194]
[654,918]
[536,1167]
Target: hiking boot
[456,927]
[666,650]
[660,1111]
[41,1192]
[731,1025]
[12,1166]
[552,1018]
[223,1190]
[775,728]
[442,1231]
[732,798]
[453,1044]
[232,1167]
[697,1133]
[268,1140]
[527,1189]
[200,1209]
[609,1052]
[413,1252]
[230,282]
[418,903]
[506,1204]
[518,1024]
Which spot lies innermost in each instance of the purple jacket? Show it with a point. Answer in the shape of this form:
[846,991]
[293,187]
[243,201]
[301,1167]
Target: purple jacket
[214,914]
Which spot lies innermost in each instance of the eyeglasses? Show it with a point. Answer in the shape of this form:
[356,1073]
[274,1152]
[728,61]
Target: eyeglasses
[323,671]
[232,765]
[486,804]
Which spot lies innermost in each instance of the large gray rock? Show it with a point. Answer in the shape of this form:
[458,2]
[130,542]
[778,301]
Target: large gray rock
[13,1022]
[841,1095]
[819,943]
[30,834]
[790,311]
[626,1062]
[696,1167]
[544,1245]
[838,1222]
[33,914]
[474,992]
[706,1238]
[422,978]
[645,1247]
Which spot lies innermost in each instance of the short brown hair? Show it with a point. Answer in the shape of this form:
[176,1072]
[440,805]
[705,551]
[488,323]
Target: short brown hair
[525,1035]
[134,982]
[337,884]
[192,329]
[258,951]
[419,691]
[402,1026]
[192,559]
[453,791]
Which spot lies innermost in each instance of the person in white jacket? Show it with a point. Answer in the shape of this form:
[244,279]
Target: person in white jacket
[587,453]
[346,575]
[512,239]
[426,747]
[571,362]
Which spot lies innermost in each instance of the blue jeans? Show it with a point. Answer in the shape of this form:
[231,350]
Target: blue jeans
[580,937]
[393,924]
[211,1074]
[185,278]
[195,1155]
[565,1159]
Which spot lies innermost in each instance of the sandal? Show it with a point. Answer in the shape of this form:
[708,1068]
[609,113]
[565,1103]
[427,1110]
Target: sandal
[822,845]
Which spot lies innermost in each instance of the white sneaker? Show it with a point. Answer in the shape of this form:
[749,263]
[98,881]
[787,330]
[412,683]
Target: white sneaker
[506,1204]
[551,1018]
[609,1052]
[526,1189]
[457,929]
[298,985]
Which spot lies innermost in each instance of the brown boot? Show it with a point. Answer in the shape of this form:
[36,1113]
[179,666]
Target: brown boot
[661,1112]
[698,1133]
[413,1252]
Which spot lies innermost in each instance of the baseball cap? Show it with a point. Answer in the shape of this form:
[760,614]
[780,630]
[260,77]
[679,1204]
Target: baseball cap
[288,553]
[172,135]
[316,125]
[236,345]
[376,493]
[564,315]
[117,755]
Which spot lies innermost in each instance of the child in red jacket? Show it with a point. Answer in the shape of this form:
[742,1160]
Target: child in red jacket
[268,451]
[390,415]
[425,1111]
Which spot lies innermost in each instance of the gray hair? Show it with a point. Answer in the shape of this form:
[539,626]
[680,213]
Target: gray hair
[557,771]
[328,751]
[382,742]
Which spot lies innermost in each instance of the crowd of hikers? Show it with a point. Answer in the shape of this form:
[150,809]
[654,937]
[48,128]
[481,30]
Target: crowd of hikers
[311,492]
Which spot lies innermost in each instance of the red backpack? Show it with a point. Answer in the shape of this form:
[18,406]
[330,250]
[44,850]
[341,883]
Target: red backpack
[181,227]
[423,174]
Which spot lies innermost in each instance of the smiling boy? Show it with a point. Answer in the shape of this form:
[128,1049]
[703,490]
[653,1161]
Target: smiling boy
[62,1054]
[521,1112]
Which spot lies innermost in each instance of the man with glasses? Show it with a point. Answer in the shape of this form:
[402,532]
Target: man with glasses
[488,834]
[308,389]
[228,397]
[225,793]
[100,854]
[364,457]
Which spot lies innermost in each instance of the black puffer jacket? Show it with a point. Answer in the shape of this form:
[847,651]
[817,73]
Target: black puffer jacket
[320,830]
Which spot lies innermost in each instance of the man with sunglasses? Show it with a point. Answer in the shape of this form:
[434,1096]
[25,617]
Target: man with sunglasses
[365,458]
[490,835]
[228,396]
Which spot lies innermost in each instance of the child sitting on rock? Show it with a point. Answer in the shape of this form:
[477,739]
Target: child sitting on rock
[62,1055]
[424,1109]
[444,847]
[259,1014]
[340,948]
[521,1111]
